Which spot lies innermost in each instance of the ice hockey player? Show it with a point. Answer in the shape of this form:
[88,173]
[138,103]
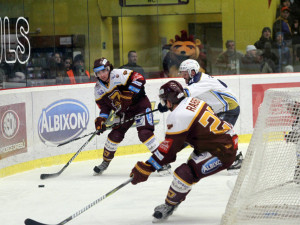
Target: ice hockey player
[122,90]
[193,121]
[215,93]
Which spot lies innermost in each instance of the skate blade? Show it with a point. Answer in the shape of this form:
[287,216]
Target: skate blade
[155,220]
[97,174]
[233,172]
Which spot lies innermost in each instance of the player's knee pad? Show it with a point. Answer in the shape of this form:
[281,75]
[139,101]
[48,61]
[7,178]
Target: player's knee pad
[183,179]
[145,134]
[116,136]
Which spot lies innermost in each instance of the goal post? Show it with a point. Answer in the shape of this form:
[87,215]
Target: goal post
[267,189]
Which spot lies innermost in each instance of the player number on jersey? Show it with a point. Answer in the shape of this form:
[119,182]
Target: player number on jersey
[213,124]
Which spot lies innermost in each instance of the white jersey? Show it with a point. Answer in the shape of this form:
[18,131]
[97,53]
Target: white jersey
[108,95]
[213,91]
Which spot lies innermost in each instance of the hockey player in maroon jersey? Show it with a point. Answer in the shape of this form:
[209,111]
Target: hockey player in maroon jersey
[191,120]
[122,90]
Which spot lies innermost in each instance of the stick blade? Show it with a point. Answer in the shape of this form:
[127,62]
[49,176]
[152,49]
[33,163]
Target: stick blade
[33,222]
[51,175]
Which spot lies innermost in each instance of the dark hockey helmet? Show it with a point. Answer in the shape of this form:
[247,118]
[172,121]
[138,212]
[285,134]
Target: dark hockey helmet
[171,91]
[101,64]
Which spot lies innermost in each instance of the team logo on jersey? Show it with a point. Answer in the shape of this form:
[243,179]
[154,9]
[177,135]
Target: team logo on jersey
[165,145]
[115,98]
[149,117]
[100,92]
[140,121]
[62,121]
[125,72]
[211,165]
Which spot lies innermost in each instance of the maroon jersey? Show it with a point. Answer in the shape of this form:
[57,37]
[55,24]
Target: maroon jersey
[193,122]
[108,95]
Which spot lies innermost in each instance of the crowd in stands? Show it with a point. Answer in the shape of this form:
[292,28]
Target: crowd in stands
[58,68]
[276,51]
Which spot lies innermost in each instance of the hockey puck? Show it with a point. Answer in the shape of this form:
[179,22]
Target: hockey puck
[41,186]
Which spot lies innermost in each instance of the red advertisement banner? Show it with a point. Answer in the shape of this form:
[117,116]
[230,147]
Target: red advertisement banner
[258,91]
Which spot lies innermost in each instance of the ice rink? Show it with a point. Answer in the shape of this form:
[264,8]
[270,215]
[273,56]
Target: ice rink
[76,187]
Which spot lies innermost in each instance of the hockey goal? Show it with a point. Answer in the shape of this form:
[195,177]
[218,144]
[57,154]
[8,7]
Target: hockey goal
[267,189]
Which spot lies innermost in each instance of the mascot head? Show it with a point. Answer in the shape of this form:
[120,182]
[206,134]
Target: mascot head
[185,46]
[182,48]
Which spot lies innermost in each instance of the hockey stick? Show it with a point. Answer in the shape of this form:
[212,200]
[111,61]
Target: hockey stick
[33,222]
[52,175]
[109,127]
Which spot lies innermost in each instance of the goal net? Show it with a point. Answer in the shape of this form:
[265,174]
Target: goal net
[267,189]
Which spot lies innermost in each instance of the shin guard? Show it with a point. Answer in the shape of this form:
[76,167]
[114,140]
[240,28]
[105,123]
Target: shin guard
[181,185]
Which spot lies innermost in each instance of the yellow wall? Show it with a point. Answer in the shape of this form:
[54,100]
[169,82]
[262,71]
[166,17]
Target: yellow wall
[141,28]
[243,21]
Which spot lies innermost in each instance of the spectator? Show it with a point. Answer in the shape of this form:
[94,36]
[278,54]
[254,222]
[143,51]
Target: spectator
[265,37]
[288,69]
[282,52]
[132,63]
[63,77]
[285,3]
[78,74]
[250,63]
[56,67]
[282,25]
[12,72]
[228,62]
[295,9]
[266,64]
[269,55]
[68,63]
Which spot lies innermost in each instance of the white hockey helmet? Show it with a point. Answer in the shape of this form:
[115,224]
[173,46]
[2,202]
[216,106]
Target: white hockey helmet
[189,65]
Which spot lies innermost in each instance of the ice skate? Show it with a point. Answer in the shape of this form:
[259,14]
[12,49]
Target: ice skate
[236,166]
[98,170]
[165,170]
[162,212]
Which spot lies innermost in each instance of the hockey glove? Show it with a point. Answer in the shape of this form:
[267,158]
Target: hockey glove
[141,172]
[100,124]
[126,100]
[162,108]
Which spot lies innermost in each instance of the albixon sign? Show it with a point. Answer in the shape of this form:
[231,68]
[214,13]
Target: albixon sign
[62,121]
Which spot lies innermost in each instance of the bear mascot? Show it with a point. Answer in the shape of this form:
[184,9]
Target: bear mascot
[180,49]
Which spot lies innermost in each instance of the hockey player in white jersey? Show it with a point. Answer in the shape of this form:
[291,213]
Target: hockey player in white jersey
[215,93]
[211,90]
[191,121]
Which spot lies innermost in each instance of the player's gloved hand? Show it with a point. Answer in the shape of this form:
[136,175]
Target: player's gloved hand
[162,108]
[141,172]
[126,100]
[100,124]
